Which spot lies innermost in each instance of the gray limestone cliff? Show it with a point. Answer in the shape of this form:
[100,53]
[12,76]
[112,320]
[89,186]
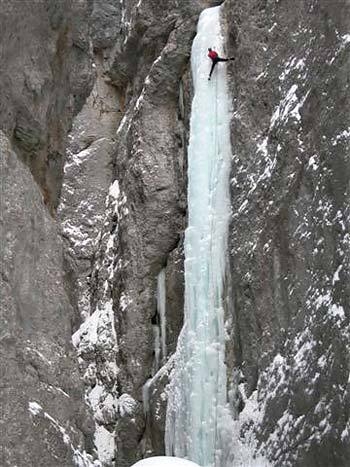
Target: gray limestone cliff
[94,111]
[45,76]
[43,417]
[289,236]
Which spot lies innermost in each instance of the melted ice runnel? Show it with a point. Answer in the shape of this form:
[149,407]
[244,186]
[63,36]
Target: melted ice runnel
[197,392]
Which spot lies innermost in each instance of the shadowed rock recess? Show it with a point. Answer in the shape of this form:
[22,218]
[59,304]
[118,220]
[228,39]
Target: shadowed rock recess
[95,101]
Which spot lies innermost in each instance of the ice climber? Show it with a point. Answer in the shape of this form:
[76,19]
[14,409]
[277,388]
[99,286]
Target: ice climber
[215,59]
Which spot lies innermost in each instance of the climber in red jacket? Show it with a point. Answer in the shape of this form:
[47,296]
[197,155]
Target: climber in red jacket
[215,59]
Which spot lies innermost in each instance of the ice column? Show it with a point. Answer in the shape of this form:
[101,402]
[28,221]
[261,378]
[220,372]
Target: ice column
[156,339]
[159,337]
[197,392]
[161,304]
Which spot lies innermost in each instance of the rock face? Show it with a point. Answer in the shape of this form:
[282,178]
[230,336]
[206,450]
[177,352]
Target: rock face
[114,181]
[45,77]
[44,420]
[290,227]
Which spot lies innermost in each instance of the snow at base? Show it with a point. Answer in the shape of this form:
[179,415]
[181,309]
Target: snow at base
[164,461]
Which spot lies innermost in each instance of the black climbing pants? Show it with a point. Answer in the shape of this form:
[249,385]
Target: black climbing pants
[215,61]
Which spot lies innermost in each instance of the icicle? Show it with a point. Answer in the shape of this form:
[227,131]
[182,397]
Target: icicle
[145,396]
[159,338]
[197,392]
[161,307]
[156,337]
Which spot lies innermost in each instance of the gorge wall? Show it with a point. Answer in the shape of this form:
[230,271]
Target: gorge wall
[45,77]
[94,111]
[290,227]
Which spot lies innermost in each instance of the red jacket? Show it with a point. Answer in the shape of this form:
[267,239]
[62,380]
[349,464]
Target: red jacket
[213,55]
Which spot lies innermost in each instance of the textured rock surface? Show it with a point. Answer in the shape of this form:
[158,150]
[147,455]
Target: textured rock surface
[290,226]
[88,173]
[45,77]
[44,420]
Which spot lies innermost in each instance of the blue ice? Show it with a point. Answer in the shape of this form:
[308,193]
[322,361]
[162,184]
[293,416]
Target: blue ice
[197,391]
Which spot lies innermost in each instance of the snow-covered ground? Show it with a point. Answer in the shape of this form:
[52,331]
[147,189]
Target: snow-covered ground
[164,461]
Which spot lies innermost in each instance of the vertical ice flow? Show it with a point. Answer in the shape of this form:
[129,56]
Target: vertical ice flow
[156,340]
[161,306]
[197,391]
[159,338]
[145,396]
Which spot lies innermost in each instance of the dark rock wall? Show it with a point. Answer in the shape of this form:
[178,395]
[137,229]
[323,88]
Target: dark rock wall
[289,239]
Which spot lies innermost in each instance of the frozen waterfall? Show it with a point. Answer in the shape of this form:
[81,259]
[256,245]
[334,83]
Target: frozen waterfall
[197,392]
